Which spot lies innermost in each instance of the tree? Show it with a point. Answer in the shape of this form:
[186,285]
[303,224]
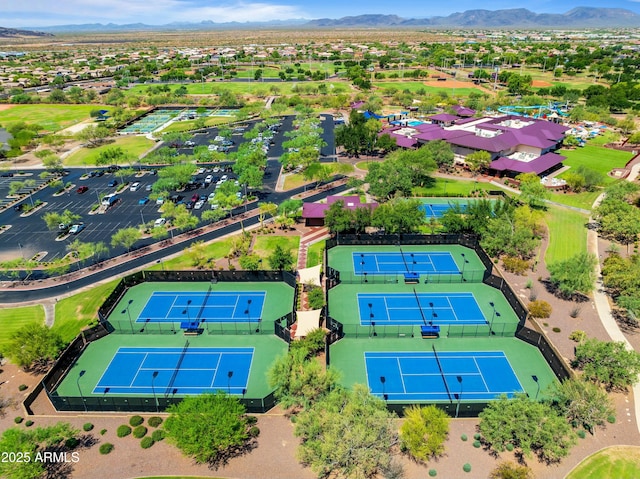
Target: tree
[607,363]
[583,403]
[299,381]
[93,135]
[441,153]
[209,428]
[250,262]
[389,178]
[533,192]
[528,425]
[338,218]
[112,156]
[198,255]
[478,160]
[347,434]
[399,216]
[213,215]
[33,346]
[575,274]
[290,207]
[266,209]
[424,432]
[510,470]
[280,259]
[31,443]
[125,237]
[618,219]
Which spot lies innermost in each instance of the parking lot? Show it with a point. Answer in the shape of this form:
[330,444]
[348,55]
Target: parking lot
[29,235]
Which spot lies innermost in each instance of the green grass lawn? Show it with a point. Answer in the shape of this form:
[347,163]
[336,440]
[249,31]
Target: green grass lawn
[315,254]
[264,246]
[621,462]
[216,250]
[133,145]
[190,124]
[596,158]
[12,319]
[567,234]
[75,313]
[419,85]
[579,200]
[449,187]
[296,180]
[252,88]
[49,117]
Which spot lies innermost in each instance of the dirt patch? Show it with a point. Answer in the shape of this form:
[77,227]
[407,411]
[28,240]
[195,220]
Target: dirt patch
[450,84]
[540,84]
[5,107]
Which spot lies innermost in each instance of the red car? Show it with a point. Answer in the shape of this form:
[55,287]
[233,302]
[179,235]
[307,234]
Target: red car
[82,189]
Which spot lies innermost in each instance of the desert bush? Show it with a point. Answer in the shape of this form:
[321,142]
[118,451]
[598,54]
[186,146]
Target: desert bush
[106,448]
[136,421]
[123,431]
[515,265]
[139,432]
[540,309]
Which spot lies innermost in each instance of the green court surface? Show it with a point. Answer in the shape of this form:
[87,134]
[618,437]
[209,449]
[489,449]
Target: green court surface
[97,356]
[347,356]
[278,302]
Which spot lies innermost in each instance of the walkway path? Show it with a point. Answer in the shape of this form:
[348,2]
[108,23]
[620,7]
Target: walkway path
[309,238]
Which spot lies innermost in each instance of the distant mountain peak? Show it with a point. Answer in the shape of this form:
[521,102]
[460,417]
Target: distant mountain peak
[15,33]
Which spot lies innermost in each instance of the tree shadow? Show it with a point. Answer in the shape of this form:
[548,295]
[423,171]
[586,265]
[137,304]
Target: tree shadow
[222,459]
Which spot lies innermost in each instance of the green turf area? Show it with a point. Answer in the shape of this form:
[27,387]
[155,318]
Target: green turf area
[363,165]
[582,200]
[621,462]
[76,312]
[597,158]
[347,356]
[214,251]
[315,253]
[567,234]
[134,145]
[419,85]
[264,245]
[449,187]
[97,356]
[189,125]
[49,117]
[12,319]
[251,88]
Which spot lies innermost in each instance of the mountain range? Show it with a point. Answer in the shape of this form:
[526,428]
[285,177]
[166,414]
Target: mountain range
[579,17]
[15,33]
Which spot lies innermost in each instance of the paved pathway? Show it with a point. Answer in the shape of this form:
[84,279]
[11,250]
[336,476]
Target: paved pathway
[309,238]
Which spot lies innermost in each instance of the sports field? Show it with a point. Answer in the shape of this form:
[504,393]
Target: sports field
[50,117]
[487,367]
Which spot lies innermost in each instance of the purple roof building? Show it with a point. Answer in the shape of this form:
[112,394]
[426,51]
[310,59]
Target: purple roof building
[313,213]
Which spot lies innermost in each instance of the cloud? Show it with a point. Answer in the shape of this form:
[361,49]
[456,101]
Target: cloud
[45,12]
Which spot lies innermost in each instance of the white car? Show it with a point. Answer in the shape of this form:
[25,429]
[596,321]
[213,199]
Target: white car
[200,171]
[216,169]
[75,229]
[212,147]
[215,206]
[160,201]
[211,197]
[224,178]
[134,186]
[208,179]
[198,204]
[159,222]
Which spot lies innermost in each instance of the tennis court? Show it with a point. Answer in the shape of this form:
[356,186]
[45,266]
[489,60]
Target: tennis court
[210,306]
[419,308]
[436,210]
[440,376]
[170,371]
[394,262]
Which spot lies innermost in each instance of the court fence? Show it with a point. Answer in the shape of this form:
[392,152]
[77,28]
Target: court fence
[553,357]
[469,276]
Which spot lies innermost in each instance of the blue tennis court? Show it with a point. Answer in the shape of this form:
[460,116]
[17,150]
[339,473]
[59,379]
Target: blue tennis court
[401,262]
[437,210]
[419,376]
[200,306]
[406,308]
[170,371]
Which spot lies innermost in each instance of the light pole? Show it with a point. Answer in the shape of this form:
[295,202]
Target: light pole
[459,379]
[126,310]
[229,376]
[464,264]
[382,381]
[80,374]
[186,310]
[535,378]
[153,389]
[20,246]
[493,316]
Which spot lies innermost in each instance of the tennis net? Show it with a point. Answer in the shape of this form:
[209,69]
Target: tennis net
[424,320]
[444,379]
[177,369]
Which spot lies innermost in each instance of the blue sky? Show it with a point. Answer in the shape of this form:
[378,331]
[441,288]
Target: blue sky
[33,13]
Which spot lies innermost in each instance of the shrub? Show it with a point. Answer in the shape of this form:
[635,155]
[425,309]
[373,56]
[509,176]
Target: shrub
[433,472]
[578,336]
[139,432]
[463,437]
[477,436]
[71,443]
[103,432]
[555,329]
[316,297]
[251,420]
[22,387]
[106,448]
[466,467]
[529,284]
[87,426]
[146,442]
[18,419]
[582,434]
[476,444]
[154,421]
[157,435]
[515,265]
[575,312]
[533,294]
[509,447]
[540,309]
[135,421]
[254,431]
[123,431]
[611,419]
[29,423]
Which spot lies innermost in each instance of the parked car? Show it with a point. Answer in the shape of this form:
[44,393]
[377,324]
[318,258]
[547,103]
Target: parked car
[211,197]
[159,222]
[75,229]
[198,204]
[208,179]
[82,189]
[134,186]
[143,201]
[195,197]
[148,188]
[160,201]
[189,143]
[113,183]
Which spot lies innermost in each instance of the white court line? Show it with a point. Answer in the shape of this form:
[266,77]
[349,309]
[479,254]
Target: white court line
[175,298]
[452,310]
[215,374]
[377,265]
[235,306]
[138,371]
[404,389]
[386,308]
[481,375]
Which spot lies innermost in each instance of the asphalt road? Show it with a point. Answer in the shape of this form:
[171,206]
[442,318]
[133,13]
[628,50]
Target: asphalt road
[16,296]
